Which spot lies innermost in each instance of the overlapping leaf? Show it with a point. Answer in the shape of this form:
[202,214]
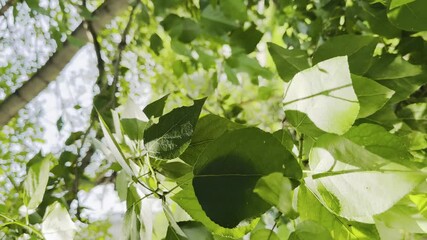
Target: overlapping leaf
[322,99]
[356,183]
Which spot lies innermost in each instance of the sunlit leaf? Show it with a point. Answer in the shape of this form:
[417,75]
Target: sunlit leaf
[312,92]
[310,208]
[276,190]
[36,180]
[57,223]
[354,182]
[308,230]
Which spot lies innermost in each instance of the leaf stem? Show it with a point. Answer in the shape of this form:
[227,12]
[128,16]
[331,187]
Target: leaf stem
[12,221]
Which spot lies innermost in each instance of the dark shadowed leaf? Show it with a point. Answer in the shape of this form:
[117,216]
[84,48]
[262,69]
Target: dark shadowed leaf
[359,50]
[229,169]
[155,109]
[288,62]
[193,230]
[246,39]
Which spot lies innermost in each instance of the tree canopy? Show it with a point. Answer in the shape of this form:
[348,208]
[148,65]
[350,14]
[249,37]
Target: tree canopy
[213,119]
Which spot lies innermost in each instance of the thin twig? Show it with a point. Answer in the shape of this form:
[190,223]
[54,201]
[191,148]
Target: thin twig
[121,47]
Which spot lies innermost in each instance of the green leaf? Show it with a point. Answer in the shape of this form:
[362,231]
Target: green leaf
[187,199]
[264,234]
[174,168]
[114,148]
[155,109]
[73,137]
[379,141]
[310,208]
[398,3]
[131,224]
[231,75]
[208,128]
[156,43]
[183,29]
[288,62]
[276,190]
[404,216]
[372,95]
[36,180]
[144,15]
[378,21]
[392,67]
[342,168]
[285,137]
[229,168]
[308,230]
[420,200]
[359,50]
[57,223]
[235,9]
[59,124]
[415,115]
[122,183]
[313,91]
[243,63]
[408,15]
[172,134]
[404,87]
[133,128]
[193,230]
[214,21]
[246,39]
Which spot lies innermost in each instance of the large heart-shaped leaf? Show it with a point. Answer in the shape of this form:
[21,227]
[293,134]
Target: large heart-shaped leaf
[229,169]
[354,182]
[322,98]
[310,208]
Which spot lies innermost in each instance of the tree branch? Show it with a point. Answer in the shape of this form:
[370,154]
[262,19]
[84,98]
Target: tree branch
[48,73]
[6,7]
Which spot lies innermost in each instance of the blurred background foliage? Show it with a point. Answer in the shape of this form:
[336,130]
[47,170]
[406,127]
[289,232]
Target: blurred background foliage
[188,49]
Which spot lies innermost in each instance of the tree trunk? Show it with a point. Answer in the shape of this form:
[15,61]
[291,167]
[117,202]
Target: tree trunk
[48,73]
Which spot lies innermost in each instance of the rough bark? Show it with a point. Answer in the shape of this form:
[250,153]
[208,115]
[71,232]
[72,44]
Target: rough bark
[49,72]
